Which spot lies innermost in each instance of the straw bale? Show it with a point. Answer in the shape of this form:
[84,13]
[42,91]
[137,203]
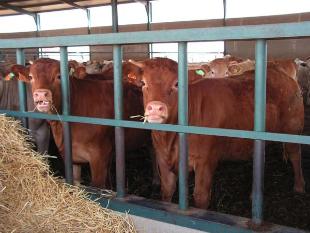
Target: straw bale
[32,200]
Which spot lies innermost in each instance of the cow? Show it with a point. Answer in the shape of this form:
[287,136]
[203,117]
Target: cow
[38,129]
[91,143]
[218,67]
[219,103]
[303,78]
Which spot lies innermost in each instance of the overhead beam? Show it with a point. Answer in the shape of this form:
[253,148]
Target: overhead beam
[72,3]
[17,9]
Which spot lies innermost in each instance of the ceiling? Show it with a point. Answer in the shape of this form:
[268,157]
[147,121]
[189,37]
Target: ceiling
[30,7]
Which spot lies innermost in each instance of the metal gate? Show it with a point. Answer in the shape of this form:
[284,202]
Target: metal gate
[181,215]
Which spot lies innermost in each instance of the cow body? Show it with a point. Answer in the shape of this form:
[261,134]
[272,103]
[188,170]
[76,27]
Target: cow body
[9,99]
[220,103]
[91,144]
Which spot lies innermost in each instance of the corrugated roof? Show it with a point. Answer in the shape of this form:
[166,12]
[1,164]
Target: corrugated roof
[14,7]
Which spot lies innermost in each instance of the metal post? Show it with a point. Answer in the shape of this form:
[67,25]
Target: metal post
[38,28]
[259,125]
[65,90]
[88,20]
[114,16]
[148,8]
[224,22]
[20,58]
[183,120]
[119,131]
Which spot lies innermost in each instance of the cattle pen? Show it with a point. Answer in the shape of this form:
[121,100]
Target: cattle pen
[181,214]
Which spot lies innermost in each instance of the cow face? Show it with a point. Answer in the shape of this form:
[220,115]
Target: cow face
[44,77]
[159,82]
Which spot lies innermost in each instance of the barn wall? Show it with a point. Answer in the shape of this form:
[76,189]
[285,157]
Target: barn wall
[289,48]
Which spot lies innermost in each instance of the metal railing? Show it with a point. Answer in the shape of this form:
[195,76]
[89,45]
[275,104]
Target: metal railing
[260,33]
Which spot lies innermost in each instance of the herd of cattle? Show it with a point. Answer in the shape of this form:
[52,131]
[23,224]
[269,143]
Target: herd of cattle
[221,95]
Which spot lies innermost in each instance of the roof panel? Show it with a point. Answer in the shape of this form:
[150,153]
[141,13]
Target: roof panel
[39,6]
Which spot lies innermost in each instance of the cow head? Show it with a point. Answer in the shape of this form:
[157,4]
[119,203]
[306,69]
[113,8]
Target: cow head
[44,77]
[159,81]
[218,68]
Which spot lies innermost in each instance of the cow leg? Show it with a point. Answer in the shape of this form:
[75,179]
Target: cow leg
[77,171]
[100,166]
[168,181]
[293,151]
[156,178]
[203,182]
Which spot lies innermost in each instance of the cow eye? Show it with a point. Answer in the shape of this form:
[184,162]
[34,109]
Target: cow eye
[142,83]
[176,85]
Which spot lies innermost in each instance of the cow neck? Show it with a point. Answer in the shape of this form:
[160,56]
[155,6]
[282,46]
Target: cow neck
[57,130]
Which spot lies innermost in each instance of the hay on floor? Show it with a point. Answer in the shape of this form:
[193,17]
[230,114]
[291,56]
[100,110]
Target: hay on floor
[32,200]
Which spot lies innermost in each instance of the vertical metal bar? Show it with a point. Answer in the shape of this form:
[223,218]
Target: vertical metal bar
[65,90]
[259,125]
[88,20]
[224,22]
[38,28]
[20,59]
[183,120]
[114,16]
[148,8]
[119,131]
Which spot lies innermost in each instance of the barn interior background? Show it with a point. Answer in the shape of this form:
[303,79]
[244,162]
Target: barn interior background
[281,205]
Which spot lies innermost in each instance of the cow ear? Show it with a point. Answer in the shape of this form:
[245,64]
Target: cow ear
[206,68]
[21,72]
[234,69]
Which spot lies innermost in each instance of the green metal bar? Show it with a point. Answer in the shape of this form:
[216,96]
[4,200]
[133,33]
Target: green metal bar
[259,125]
[114,16]
[277,137]
[65,90]
[38,28]
[203,220]
[268,31]
[119,132]
[22,95]
[183,120]
[88,20]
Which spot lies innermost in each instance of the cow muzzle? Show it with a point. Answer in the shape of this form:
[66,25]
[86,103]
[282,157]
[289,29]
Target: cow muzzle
[43,100]
[156,112]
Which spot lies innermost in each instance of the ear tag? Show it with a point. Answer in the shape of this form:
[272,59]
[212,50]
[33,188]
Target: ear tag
[200,72]
[10,76]
[71,71]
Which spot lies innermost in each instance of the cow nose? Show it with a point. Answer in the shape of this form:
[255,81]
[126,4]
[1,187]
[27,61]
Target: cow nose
[157,107]
[42,94]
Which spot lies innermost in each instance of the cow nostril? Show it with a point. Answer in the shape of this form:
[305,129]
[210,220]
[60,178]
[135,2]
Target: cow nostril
[45,94]
[149,108]
[160,108]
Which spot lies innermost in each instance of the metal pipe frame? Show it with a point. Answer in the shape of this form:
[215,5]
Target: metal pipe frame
[259,125]
[20,58]
[259,32]
[119,131]
[183,120]
[65,91]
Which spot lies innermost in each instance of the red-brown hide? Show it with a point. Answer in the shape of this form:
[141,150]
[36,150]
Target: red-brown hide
[220,103]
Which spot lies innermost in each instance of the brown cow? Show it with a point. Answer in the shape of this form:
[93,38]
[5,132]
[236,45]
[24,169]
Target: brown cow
[91,144]
[38,129]
[219,103]
[303,78]
[218,68]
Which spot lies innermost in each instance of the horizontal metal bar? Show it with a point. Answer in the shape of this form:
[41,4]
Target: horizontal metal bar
[277,137]
[198,219]
[267,31]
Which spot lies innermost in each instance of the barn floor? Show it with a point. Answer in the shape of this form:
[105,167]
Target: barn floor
[232,187]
